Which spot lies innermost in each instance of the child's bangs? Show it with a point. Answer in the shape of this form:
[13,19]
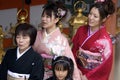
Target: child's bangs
[60,67]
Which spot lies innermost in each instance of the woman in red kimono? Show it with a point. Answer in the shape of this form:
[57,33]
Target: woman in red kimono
[92,46]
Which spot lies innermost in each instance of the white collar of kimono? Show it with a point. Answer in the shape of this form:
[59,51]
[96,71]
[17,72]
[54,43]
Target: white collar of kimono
[46,34]
[20,54]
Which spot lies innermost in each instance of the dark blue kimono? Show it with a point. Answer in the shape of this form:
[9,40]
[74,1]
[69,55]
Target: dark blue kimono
[29,63]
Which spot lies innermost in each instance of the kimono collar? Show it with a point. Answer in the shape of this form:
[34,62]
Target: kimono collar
[20,54]
[90,32]
[46,34]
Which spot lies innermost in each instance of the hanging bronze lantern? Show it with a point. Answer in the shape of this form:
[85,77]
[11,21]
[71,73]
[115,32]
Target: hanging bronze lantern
[78,19]
[22,15]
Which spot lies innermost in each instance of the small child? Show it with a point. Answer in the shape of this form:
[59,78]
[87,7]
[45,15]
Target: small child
[63,68]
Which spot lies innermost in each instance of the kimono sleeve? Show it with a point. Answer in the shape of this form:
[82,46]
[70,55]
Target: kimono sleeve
[68,53]
[75,41]
[37,72]
[37,41]
[102,72]
[4,67]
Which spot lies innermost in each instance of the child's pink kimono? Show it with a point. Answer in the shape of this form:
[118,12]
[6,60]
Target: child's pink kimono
[51,45]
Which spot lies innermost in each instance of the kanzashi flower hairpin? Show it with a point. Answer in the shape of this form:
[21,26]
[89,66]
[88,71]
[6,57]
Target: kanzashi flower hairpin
[61,12]
[100,1]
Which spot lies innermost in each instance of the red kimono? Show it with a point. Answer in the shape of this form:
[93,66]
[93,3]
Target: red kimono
[97,51]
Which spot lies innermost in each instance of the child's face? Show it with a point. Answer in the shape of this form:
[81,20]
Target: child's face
[61,75]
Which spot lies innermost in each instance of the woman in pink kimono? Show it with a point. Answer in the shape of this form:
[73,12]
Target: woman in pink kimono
[92,46]
[50,42]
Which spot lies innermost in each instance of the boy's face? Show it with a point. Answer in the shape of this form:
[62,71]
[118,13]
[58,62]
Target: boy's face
[60,74]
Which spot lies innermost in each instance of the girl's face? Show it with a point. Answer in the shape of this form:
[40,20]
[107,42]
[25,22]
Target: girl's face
[23,42]
[94,18]
[60,74]
[48,21]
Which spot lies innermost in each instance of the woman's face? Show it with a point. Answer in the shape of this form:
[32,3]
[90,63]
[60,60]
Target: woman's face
[61,75]
[94,18]
[23,42]
[48,21]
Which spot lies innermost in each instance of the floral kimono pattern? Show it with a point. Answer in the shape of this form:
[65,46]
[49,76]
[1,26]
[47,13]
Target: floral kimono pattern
[96,49]
[52,45]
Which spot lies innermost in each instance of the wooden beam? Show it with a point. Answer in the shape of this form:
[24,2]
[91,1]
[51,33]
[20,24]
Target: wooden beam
[7,4]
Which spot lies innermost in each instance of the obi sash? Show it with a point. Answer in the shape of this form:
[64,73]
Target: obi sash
[17,76]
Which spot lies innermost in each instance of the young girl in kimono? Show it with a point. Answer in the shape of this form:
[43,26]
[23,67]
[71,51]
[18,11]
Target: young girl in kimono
[50,41]
[92,46]
[62,67]
[22,62]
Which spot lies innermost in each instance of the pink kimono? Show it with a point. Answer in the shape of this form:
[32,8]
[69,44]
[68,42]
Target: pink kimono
[51,45]
[96,50]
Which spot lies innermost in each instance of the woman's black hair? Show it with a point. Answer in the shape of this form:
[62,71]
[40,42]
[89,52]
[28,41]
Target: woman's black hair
[26,29]
[105,8]
[63,63]
[52,8]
